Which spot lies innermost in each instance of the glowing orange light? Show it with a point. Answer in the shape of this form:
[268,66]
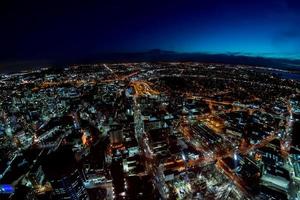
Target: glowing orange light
[84,139]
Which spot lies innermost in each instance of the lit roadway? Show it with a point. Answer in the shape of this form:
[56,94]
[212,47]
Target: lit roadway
[143,88]
[244,150]
[80,82]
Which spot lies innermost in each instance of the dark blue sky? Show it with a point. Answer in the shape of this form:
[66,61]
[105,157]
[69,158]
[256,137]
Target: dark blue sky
[49,30]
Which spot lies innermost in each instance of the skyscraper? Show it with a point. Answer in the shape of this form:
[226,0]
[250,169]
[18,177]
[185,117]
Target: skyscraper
[61,170]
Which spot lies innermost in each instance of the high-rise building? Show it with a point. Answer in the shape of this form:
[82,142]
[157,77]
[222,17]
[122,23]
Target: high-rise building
[69,187]
[116,135]
[61,170]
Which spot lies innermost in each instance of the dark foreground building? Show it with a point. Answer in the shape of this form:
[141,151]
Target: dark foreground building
[61,170]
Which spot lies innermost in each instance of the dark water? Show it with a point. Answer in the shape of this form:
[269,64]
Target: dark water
[288,75]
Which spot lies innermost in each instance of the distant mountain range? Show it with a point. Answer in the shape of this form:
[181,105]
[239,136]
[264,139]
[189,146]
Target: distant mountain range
[157,55]
[161,55]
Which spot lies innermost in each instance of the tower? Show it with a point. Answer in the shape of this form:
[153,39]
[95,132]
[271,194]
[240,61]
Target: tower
[61,170]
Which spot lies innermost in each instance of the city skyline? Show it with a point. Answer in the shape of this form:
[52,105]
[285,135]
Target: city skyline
[156,100]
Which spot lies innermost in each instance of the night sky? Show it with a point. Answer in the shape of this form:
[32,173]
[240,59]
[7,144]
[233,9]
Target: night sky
[49,30]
